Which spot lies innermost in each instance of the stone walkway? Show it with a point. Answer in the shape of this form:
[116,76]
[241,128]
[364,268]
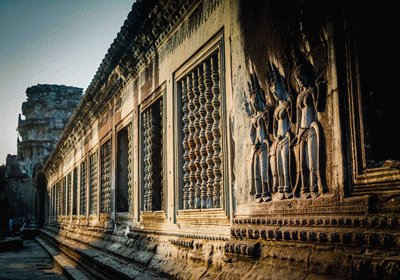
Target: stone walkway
[32,262]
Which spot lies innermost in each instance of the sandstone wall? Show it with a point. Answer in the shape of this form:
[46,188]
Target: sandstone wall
[245,147]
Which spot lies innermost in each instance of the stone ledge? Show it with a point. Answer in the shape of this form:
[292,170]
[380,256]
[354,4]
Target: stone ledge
[68,268]
[99,262]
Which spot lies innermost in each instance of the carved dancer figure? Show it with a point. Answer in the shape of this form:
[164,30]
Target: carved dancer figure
[307,132]
[280,149]
[259,139]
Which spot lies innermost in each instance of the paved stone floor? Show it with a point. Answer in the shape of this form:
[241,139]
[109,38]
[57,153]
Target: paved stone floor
[32,262]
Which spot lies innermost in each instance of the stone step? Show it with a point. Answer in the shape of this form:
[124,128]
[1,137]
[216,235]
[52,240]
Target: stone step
[97,263]
[61,261]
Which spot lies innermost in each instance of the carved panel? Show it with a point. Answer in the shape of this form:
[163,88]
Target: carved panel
[93,183]
[83,187]
[201,114]
[345,230]
[152,161]
[105,177]
[286,135]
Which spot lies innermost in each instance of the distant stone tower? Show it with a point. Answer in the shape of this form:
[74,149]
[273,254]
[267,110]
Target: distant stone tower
[44,116]
[46,112]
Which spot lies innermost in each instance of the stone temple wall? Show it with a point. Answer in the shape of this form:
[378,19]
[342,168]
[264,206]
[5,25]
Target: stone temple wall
[233,140]
[45,113]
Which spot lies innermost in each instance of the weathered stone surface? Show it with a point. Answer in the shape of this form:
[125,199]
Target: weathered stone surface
[44,115]
[32,262]
[248,153]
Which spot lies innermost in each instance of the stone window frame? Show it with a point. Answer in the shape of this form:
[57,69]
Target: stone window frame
[103,141]
[64,195]
[124,124]
[69,193]
[84,159]
[364,179]
[52,202]
[160,92]
[59,185]
[75,190]
[205,216]
[90,215]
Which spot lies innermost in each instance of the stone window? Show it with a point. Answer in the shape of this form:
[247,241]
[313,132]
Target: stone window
[105,177]
[59,198]
[83,188]
[152,153]
[370,84]
[93,183]
[69,193]
[52,201]
[75,191]
[124,151]
[64,197]
[199,92]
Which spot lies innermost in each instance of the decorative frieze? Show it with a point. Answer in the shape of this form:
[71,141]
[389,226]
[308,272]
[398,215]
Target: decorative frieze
[182,243]
[368,266]
[243,249]
[358,221]
[318,235]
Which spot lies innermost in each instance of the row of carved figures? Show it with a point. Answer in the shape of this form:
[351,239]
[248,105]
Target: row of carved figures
[286,135]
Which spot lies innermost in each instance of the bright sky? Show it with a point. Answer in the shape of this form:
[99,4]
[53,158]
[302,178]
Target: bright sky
[50,42]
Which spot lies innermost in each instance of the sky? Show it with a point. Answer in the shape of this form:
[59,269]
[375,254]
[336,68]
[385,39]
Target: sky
[50,42]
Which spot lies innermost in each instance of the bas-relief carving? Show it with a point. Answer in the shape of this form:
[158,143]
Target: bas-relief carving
[285,135]
[260,140]
[307,132]
[280,150]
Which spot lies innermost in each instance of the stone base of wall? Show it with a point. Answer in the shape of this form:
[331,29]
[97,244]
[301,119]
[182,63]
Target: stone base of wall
[122,255]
